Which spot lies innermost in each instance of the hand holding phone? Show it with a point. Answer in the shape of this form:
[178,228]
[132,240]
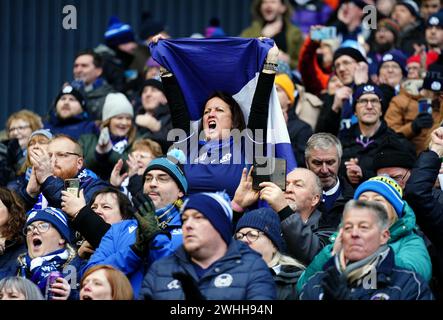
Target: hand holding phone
[269,170]
[72,186]
[425,105]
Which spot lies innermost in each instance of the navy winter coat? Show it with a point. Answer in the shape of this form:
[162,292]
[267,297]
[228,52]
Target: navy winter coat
[241,274]
[393,283]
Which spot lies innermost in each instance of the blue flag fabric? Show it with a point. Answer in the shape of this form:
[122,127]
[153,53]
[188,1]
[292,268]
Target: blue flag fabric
[230,64]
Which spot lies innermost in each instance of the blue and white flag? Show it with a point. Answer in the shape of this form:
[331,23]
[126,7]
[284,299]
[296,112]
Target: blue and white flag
[232,65]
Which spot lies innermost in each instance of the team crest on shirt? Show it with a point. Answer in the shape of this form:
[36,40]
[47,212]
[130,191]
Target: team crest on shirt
[224,280]
[226,158]
[173,285]
[380,296]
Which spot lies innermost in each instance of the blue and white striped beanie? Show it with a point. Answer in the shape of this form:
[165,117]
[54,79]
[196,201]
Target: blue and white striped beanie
[118,32]
[216,207]
[55,217]
[388,188]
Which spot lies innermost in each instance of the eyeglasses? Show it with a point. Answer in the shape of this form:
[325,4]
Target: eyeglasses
[364,102]
[41,227]
[386,66]
[252,236]
[62,155]
[20,128]
[161,179]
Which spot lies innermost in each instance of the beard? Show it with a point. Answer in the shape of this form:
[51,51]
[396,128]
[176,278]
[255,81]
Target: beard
[383,47]
[64,174]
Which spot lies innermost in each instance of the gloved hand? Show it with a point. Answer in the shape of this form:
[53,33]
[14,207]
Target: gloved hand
[335,285]
[147,224]
[422,121]
[189,287]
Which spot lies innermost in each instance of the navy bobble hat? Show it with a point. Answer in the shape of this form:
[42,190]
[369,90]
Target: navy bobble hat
[55,217]
[265,220]
[118,33]
[396,56]
[388,188]
[72,91]
[216,207]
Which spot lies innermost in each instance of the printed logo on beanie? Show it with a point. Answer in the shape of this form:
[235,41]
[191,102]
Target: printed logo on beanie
[388,57]
[67,89]
[368,88]
[435,85]
[31,215]
[433,21]
[389,181]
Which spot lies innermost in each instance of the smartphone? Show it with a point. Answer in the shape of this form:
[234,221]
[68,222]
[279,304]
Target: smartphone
[425,105]
[72,186]
[323,33]
[269,169]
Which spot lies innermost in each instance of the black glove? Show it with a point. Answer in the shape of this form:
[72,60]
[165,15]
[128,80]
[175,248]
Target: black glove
[147,224]
[189,287]
[422,121]
[335,285]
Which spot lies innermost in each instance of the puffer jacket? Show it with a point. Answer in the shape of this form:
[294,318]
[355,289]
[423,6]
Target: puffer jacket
[392,283]
[403,110]
[115,249]
[286,281]
[241,274]
[408,247]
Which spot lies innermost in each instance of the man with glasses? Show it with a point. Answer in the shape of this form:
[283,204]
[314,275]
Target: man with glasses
[62,160]
[132,245]
[351,68]
[48,239]
[361,143]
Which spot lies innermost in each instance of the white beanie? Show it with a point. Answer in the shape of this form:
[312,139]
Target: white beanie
[115,104]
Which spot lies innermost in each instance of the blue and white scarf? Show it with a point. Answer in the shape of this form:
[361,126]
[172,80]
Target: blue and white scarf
[38,269]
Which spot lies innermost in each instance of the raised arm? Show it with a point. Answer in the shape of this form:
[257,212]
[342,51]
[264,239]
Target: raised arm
[258,117]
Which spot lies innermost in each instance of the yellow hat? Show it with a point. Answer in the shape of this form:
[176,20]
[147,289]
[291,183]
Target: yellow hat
[286,84]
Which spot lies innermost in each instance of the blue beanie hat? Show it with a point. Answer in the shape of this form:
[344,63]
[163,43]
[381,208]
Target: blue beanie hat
[55,217]
[216,207]
[266,220]
[169,165]
[118,32]
[366,89]
[386,187]
[435,20]
[396,56]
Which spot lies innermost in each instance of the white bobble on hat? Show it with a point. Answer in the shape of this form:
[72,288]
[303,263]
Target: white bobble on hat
[116,104]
